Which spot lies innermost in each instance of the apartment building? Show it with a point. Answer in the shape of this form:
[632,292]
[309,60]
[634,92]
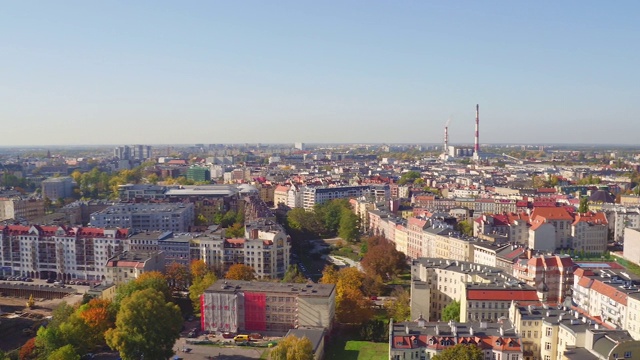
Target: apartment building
[174,248]
[631,250]
[319,195]
[136,192]
[58,188]
[21,209]
[604,292]
[620,218]
[266,248]
[280,195]
[245,306]
[485,293]
[551,276]
[590,233]
[415,228]
[142,217]
[58,252]
[423,340]
[550,228]
[126,266]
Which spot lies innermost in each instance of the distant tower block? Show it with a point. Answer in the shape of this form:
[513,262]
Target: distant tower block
[299,146]
[476,147]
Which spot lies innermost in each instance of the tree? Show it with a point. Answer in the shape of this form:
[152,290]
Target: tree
[461,352]
[146,326]
[293,275]
[99,316]
[352,307]
[400,309]
[374,330]
[451,311]
[240,272]
[235,231]
[465,227]
[292,348]
[349,228]
[149,280]
[28,351]
[198,287]
[584,205]
[382,259]
[329,275]
[409,176]
[66,352]
[177,276]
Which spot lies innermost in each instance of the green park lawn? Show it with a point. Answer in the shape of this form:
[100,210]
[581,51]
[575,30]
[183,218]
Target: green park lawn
[358,350]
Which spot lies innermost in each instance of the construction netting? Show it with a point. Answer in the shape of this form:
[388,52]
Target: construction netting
[219,312]
[255,311]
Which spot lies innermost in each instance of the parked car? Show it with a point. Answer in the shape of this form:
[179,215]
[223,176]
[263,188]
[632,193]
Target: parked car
[255,336]
[50,281]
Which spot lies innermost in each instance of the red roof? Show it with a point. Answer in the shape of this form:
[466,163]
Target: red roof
[502,294]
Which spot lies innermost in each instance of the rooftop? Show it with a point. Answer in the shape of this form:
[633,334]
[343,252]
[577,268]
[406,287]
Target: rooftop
[235,286]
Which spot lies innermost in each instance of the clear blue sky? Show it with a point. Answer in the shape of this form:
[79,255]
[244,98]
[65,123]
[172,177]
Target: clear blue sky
[156,72]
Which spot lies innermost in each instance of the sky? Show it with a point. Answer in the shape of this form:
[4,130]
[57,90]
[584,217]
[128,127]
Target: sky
[186,72]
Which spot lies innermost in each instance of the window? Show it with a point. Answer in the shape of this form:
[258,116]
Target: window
[549,331]
[547,346]
[627,355]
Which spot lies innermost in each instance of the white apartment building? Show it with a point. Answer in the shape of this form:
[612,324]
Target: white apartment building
[58,252]
[166,216]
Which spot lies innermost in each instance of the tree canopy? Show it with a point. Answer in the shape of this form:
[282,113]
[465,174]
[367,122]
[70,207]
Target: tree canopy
[382,259]
[451,311]
[146,326]
[292,348]
[202,277]
[293,275]
[460,352]
[240,272]
[352,306]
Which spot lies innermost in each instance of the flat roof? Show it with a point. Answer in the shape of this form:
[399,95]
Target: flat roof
[308,289]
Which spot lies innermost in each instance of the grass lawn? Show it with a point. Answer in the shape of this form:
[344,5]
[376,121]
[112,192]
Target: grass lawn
[629,265]
[358,350]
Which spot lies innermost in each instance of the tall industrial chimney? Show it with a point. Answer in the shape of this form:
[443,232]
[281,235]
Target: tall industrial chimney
[476,148]
[446,140]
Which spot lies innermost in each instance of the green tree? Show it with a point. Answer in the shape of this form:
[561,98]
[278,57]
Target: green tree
[349,225]
[198,287]
[465,227]
[146,326]
[461,352]
[66,352]
[292,348]
[451,311]
[293,275]
[584,205]
[400,308]
[149,280]
[374,330]
[408,177]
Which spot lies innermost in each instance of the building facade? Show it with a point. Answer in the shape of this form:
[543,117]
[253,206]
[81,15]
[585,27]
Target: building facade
[237,306]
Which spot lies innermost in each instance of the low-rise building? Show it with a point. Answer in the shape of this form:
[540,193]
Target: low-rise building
[234,306]
[127,266]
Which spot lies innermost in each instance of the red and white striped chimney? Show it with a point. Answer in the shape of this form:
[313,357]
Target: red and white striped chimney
[476,148]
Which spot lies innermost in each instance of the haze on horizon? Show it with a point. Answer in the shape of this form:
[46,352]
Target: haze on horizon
[160,72]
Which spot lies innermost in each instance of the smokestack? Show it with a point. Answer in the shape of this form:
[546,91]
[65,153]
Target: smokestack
[446,140]
[476,148]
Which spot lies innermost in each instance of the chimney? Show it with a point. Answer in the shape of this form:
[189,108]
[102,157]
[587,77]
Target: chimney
[254,234]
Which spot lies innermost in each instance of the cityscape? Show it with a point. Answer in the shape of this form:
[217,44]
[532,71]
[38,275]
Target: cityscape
[298,181]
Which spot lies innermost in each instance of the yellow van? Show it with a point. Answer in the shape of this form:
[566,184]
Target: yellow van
[240,338]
